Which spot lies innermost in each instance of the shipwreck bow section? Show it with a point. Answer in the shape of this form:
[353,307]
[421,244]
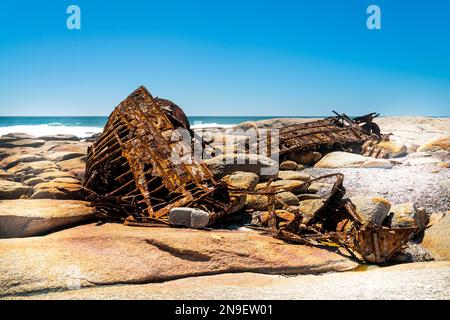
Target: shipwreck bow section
[138,170]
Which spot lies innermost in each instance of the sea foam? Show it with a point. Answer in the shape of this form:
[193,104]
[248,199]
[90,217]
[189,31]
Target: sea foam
[51,129]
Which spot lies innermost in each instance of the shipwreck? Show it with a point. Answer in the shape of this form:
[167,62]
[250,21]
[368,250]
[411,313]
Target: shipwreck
[135,174]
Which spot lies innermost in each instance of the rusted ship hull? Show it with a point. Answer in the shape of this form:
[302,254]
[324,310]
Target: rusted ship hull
[133,172]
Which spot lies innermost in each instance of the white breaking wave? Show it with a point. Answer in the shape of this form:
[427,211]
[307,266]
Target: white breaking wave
[79,131]
[51,129]
[210,125]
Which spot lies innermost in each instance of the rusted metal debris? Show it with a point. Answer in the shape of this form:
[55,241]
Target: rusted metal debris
[358,135]
[338,222]
[133,173]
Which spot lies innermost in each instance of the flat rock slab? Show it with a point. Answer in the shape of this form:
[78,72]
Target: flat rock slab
[412,281]
[91,255]
[27,218]
[34,143]
[13,190]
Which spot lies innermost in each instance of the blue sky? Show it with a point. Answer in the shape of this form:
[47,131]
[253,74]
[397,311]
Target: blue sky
[226,57]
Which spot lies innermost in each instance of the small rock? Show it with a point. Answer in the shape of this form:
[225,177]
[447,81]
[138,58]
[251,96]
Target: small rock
[189,217]
[260,202]
[286,198]
[372,210]
[408,215]
[288,165]
[444,165]
[311,207]
[242,180]
[13,190]
[305,157]
[261,218]
[294,175]
[393,149]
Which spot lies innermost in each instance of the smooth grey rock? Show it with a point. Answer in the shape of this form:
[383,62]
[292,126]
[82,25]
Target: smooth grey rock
[189,217]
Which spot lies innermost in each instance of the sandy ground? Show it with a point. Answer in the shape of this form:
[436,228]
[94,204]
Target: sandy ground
[427,280]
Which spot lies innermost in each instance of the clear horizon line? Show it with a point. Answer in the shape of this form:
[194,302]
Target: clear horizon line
[225,116]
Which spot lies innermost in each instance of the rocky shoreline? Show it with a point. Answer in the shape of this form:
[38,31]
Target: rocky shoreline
[50,241]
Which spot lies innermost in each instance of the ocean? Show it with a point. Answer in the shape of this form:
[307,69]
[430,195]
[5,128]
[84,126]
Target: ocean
[86,126]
